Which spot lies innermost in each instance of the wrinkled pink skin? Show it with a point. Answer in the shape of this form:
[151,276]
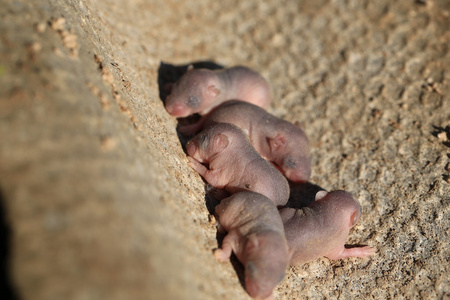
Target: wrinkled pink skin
[233,163]
[256,236]
[277,140]
[200,90]
[322,228]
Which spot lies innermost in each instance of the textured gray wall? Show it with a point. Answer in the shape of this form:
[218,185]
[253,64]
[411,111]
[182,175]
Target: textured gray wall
[96,188]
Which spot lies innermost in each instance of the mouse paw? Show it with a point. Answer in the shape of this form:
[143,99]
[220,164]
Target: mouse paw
[220,255]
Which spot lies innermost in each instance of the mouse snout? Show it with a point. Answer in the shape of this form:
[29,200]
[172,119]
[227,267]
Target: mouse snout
[297,176]
[296,170]
[178,110]
[255,290]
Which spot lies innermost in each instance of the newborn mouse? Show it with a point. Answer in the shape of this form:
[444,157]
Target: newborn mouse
[200,90]
[322,228]
[255,234]
[233,164]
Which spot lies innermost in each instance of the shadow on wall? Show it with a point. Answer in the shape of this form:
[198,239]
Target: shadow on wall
[302,194]
[6,289]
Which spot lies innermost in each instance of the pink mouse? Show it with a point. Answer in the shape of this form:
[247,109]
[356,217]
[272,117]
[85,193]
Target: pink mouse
[277,140]
[322,228]
[200,90]
[256,236]
[233,164]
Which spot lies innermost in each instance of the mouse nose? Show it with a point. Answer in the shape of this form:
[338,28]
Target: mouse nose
[256,291]
[297,170]
[297,175]
[177,110]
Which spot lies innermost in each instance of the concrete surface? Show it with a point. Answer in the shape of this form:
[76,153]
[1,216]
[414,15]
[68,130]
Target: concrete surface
[98,201]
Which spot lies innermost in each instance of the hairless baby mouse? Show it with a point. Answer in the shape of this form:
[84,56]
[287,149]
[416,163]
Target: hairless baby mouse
[233,164]
[256,236]
[321,228]
[277,140]
[200,90]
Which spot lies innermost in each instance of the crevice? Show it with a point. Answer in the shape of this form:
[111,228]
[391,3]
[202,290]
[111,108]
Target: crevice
[7,290]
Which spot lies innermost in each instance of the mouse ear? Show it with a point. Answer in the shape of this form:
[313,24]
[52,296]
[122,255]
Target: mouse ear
[221,142]
[252,243]
[354,218]
[213,91]
[190,67]
[277,142]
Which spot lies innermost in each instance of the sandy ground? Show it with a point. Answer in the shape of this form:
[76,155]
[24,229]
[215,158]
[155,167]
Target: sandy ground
[98,201]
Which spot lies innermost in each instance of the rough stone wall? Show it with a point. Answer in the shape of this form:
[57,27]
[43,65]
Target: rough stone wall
[95,186]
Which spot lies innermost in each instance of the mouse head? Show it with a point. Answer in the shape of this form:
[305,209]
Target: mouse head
[267,258]
[192,93]
[290,152]
[341,205]
[210,142]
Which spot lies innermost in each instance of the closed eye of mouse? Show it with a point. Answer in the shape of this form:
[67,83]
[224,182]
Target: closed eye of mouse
[194,102]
